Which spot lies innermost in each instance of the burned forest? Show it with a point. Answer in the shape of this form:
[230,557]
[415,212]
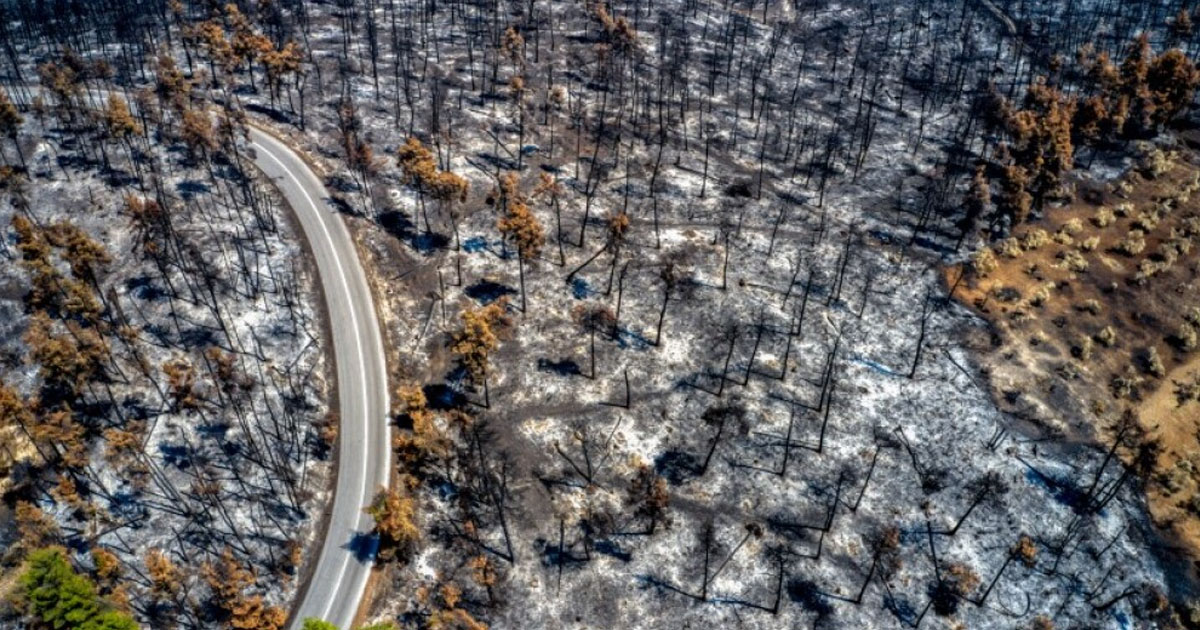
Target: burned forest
[469,314]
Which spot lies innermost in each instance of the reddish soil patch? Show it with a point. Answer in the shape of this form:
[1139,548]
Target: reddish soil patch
[1091,307]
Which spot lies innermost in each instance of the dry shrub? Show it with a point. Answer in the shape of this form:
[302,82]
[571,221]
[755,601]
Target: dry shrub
[1125,384]
[1182,244]
[1082,349]
[1187,390]
[1011,248]
[1186,338]
[1072,260]
[1147,269]
[962,578]
[1026,550]
[983,262]
[1146,221]
[1154,162]
[1035,238]
[1153,363]
[1133,243]
[1191,226]
[1041,295]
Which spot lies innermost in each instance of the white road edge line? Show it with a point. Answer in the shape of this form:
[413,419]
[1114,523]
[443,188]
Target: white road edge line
[357,341]
[380,352]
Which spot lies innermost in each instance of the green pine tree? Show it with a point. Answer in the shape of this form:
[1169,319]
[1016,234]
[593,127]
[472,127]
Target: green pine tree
[60,598]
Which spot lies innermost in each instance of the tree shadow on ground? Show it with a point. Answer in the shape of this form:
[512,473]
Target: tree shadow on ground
[497,162]
[270,112]
[397,224]
[145,288]
[198,337]
[364,546]
[401,226]
[444,397]
[676,466]
[175,455]
[341,184]
[429,242]
[562,367]
[612,549]
[806,593]
[486,291]
[190,188]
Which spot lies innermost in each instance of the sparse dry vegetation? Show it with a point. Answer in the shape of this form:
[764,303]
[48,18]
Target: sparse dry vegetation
[1137,347]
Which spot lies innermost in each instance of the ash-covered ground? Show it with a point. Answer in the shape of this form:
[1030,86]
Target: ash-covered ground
[734,393]
[831,453]
[197,433]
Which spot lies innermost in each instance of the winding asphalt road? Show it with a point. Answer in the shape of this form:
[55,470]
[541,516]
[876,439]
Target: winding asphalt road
[364,437]
[344,564]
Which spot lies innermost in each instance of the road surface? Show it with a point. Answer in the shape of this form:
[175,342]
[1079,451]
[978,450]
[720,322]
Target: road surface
[346,554]
[364,437]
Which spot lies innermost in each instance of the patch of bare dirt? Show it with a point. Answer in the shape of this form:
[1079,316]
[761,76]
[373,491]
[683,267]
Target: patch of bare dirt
[1094,311]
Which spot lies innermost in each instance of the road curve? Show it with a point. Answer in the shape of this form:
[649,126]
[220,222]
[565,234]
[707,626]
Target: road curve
[364,437]
[344,564]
